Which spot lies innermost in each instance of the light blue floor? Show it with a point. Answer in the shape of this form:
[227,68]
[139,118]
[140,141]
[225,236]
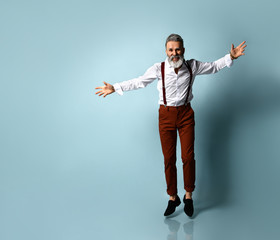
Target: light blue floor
[74,205]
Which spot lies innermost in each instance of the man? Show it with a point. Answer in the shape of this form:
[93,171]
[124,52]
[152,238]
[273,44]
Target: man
[175,78]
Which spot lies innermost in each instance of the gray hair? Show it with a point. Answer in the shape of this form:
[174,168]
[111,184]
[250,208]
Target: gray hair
[174,37]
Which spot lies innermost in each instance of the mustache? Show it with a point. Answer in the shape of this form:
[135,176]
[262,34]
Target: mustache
[179,56]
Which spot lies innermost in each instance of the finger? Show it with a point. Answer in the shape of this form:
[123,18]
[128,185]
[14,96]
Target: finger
[105,83]
[98,92]
[241,44]
[98,88]
[232,46]
[101,94]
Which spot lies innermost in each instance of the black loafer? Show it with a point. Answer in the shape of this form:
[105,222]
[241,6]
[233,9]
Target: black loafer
[171,207]
[188,209]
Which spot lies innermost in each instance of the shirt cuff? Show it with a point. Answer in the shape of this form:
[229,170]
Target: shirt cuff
[118,89]
[228,60]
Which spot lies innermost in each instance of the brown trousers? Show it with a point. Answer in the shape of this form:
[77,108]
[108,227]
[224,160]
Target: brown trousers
[172,119]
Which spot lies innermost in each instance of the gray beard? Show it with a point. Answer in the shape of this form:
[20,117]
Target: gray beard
[176,64]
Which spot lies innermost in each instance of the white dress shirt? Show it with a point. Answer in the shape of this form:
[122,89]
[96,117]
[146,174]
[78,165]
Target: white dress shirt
[176,85]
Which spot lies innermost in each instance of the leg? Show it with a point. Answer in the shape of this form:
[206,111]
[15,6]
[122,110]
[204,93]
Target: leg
[168,137]
[186,133]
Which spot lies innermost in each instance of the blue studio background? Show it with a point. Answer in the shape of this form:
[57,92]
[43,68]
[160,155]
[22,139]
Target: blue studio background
[77,166]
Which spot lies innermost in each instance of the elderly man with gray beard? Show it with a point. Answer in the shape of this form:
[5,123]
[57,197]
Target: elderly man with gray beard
[175,79]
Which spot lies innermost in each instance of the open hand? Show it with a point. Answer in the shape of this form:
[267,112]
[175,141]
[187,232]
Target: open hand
[238,51]
[105,90]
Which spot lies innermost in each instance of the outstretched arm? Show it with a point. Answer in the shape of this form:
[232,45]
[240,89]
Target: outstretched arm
[213,67]
[105,90]
[136,83]
[238,51]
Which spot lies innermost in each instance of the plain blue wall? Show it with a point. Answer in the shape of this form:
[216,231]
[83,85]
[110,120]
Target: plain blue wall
[63,148]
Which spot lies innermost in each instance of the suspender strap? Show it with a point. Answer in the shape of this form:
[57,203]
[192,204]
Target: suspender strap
[191,78]
[163,85]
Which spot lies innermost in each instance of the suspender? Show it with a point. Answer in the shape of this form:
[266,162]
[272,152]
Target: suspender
[191,78]
[163,84]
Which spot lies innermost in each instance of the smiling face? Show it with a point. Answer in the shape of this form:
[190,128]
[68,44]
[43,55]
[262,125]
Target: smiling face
[174,49]
[175,52]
